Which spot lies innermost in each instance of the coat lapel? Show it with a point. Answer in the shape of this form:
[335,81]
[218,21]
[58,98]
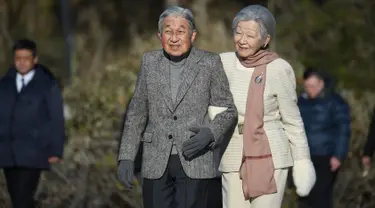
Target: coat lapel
[188,75]
[165,82]
[11,77]
[32,82]
[11,86]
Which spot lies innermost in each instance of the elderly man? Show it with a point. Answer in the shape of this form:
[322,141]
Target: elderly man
[169,114]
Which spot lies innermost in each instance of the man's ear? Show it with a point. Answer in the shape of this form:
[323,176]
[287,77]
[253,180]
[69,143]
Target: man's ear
[159,35]
[193,35]
[36,59]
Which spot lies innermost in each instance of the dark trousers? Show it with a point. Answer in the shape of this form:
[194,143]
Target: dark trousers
[322,192]
[175,189]
[215,197]
[22,184]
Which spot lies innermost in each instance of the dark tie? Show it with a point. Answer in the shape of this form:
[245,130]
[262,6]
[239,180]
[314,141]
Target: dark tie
[23,84]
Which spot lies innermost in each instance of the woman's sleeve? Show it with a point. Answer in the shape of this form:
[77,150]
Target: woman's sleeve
[285,87]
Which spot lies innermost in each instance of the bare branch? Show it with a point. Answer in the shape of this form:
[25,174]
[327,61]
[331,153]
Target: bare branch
[60,174]
[4,25]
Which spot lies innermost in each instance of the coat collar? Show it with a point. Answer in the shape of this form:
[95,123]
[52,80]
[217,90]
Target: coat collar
[188,75]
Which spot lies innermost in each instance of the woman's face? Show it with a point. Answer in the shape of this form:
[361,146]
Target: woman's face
[247,38]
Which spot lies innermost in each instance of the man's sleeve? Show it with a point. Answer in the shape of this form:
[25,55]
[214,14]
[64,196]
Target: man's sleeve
[221,96]
[284,82]
[56,124]
[136,117]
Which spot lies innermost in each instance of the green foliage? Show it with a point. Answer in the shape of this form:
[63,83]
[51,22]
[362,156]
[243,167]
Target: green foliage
[337,38]
[108,160]
[98,104]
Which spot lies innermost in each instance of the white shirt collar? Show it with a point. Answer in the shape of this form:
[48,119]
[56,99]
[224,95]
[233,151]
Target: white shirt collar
[26,78]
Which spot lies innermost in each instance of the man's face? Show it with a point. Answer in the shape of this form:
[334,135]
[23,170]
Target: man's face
[24,60]
[176,37]
[313,86]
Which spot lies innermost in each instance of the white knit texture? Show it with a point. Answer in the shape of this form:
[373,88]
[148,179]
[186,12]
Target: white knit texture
[283,123]
[214,110]
[304,177]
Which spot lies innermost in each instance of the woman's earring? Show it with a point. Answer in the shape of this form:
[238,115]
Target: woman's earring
[265,45]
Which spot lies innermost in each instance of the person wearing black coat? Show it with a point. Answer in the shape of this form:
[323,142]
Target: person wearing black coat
[370,144]
[326,117]
[31,123]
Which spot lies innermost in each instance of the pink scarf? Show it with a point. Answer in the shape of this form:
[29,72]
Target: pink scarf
[257,169]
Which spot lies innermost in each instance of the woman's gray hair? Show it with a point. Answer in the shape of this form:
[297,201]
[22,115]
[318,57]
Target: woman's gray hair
[177,11]
[260,14]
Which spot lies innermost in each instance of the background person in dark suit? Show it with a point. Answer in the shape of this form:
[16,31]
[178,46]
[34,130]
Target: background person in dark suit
[326,116]
[31,123]
[369,148]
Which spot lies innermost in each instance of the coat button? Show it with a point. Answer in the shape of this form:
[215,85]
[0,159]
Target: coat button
[174,117]
[170,136]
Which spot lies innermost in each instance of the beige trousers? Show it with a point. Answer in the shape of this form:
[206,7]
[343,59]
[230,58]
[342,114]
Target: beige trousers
[233,195]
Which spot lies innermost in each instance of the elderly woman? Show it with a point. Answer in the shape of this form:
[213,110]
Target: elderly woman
[270,135]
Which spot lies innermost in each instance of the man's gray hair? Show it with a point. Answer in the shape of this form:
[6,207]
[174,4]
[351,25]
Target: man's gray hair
[260,14]
[177,11]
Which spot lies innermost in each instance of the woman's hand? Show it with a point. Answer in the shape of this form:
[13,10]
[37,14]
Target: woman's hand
[304,176]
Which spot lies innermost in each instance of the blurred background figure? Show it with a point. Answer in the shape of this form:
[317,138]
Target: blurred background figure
[31,123]
[370,144]
[327,122]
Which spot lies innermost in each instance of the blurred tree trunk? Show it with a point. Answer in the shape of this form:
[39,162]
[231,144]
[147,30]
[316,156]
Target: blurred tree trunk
[200,12]
[169,3]
[68,39]
[31,16]
[8,20]
[271,4]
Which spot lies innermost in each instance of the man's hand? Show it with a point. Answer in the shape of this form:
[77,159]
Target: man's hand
[335,164]
[202,138]
[366,161]
[53,160]
[125,173]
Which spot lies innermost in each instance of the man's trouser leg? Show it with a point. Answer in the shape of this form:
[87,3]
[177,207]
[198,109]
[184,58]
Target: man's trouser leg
[22,184]
[175,189]
[215,194]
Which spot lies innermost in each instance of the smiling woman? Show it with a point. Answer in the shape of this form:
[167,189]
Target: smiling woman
[248,39]
[252,32]
[270,135]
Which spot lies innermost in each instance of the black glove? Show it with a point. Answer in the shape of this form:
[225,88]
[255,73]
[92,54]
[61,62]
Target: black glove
[125,173]
[202,138]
